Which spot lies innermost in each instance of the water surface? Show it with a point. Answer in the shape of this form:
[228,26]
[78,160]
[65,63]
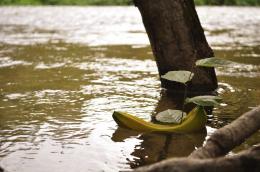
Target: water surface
[64,70]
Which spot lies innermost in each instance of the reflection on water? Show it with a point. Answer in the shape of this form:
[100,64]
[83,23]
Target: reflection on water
[156,147]
[64,70]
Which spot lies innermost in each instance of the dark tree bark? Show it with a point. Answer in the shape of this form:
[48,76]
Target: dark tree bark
[228,137]
[245,161]
[177,40]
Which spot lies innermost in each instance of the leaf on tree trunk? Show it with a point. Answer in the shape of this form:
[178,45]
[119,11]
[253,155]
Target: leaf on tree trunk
[214,62]
[204,100]
[171,116]
[178,76]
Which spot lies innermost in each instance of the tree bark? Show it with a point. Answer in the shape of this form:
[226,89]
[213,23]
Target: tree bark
[228,137]
[177,40]
[207,158]
[243,162]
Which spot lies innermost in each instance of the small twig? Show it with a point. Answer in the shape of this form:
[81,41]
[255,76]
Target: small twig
[186,87]
[184,98]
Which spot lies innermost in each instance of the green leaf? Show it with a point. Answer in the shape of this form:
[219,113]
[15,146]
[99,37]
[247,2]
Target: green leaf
[214,62]
[204,100]
[178,76]
[171,116]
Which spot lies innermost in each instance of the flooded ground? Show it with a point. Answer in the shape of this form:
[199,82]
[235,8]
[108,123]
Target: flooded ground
[64,70]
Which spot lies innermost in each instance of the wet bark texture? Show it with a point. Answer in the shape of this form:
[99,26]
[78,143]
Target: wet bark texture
[228,137]
[211,157]
[243,162]
[177,40]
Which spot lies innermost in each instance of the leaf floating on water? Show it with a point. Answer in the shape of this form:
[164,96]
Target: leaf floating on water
[171,116]
[178,76]
[214,62]
[204,100]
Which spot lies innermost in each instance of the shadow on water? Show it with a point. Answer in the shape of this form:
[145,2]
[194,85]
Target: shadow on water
[155,147]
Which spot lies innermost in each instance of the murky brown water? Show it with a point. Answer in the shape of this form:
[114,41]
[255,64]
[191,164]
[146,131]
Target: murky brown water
[64,70]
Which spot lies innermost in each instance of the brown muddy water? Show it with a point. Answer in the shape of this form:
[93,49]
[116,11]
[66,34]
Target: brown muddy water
[64,70]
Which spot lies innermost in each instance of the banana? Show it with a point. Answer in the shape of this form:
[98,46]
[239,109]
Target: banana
[194,121]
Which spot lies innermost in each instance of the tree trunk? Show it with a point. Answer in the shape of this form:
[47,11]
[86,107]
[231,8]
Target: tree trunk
[177,40]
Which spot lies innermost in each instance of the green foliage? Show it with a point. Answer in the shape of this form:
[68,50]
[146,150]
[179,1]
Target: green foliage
[204,100]
[178,76]
[22,2]
[214,62]
[228,2]
[171,116]
[119,2]
[66,2]
[176,116]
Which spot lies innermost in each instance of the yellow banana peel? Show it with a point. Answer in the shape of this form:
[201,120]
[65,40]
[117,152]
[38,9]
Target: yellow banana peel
[193,122]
